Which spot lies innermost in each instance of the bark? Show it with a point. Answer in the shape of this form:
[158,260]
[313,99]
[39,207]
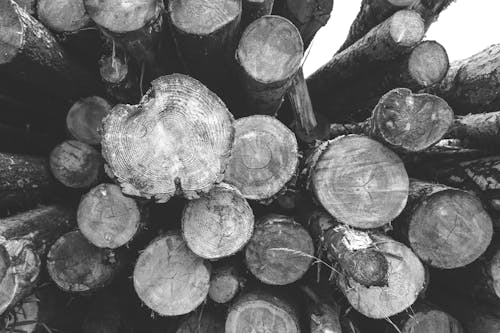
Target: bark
[446,227]
[77,266]
[107,218]
[25,140]
[264,159]
[180,137]
[84,119]
[480,130]
[76,164]
[280,250]
[322,312]
[169,278]
[268,62]
[25,239]
[32,54]
[254,9]
[205,322]
[226,282]
[472,85]
[119,78]
[262,310]
[218,224]
[357,180]
[423,318]
[28,5]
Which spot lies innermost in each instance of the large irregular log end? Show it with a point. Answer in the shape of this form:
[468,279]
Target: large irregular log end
[62,15]
[84,119]
[428,63]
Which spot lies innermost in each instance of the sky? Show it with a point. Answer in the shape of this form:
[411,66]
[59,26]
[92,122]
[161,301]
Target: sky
[464,28]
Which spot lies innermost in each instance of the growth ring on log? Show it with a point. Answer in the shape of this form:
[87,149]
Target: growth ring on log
[62,15]
[359,181]
[176,141]
[264,157]
[84,119]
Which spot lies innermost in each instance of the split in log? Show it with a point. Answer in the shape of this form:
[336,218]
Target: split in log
[269,54]
[280,251]
[107,218]
[177,141]
[480,130]
[25,240]
[262,310]
[322,312]
[254,9]
[169,278]
[264,158]
[205,322]
[425,318]
[77,266]
[84,119]
[472,85]
[119,79]
[358,181]
[218,224]
[76,164]
[31,53]
[225,283]
[446,227]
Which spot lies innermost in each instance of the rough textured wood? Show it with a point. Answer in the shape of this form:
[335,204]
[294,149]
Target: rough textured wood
[218,224]
[423,318]
[358,181]
[25,239]
[28,5]
[225,283]
[480,130]
[169,278]
[205,322]
[107,218]
[77,266]
[261,312]
[76,164]
[280,250]
[84,119]
[63,15]
[446,227]
[119,78]
[264,157]
[269,54]
[323,312]
[32,54]
[254,9]
[472,85]
[177,141]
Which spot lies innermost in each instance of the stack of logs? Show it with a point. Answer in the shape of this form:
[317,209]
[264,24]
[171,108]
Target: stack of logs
[171,158]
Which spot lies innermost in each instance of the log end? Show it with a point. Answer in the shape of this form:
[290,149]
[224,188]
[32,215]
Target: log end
[428,63]
[225,283]
[113,69]
[63,15]
[407,27]
[11,31]
[84,119]
[432,321]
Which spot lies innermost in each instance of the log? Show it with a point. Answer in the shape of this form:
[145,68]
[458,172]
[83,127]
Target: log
[119,79]
[264,159]
[226,282]
[77,266]
[403,121]
[76,164]
[480,130]
[23,139]
[179,140]
[28,5]
[269,54]
[263,311]
[107,218]
[423,318]
[254,9]
[84,119]
[169,278]
[25,239]
[218,224]
[31,53]
[322,311]
[205,322]
[358,181]
[471,85]
[446,227]
[280,251]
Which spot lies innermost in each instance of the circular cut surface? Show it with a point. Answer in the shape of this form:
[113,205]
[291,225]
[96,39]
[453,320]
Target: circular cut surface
[432,321]
[406,278]
[107,218]
[11,31]
[62,15]
[450,229]
[223,288]
[360,182]
[280,250]
[218,224]
[169,278]
[203,17]
[407,27]
[428,63]
[85,118]
[270,49]
[123,16]
[412,122]
[75,265]
[113,69]
[264,158]
[178,138]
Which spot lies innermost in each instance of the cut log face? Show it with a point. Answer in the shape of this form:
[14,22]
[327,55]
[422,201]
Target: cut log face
[225,282]
[169,278]
[63,15]
[176,141]
[280,251]
[107,218]
[432,321]
[218,224]
[77,266]
[264,157]
[269,53]
[119,79]
[75,164]
[262,312]
[406,279]
[84,119]
[359,181]
[428,63]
